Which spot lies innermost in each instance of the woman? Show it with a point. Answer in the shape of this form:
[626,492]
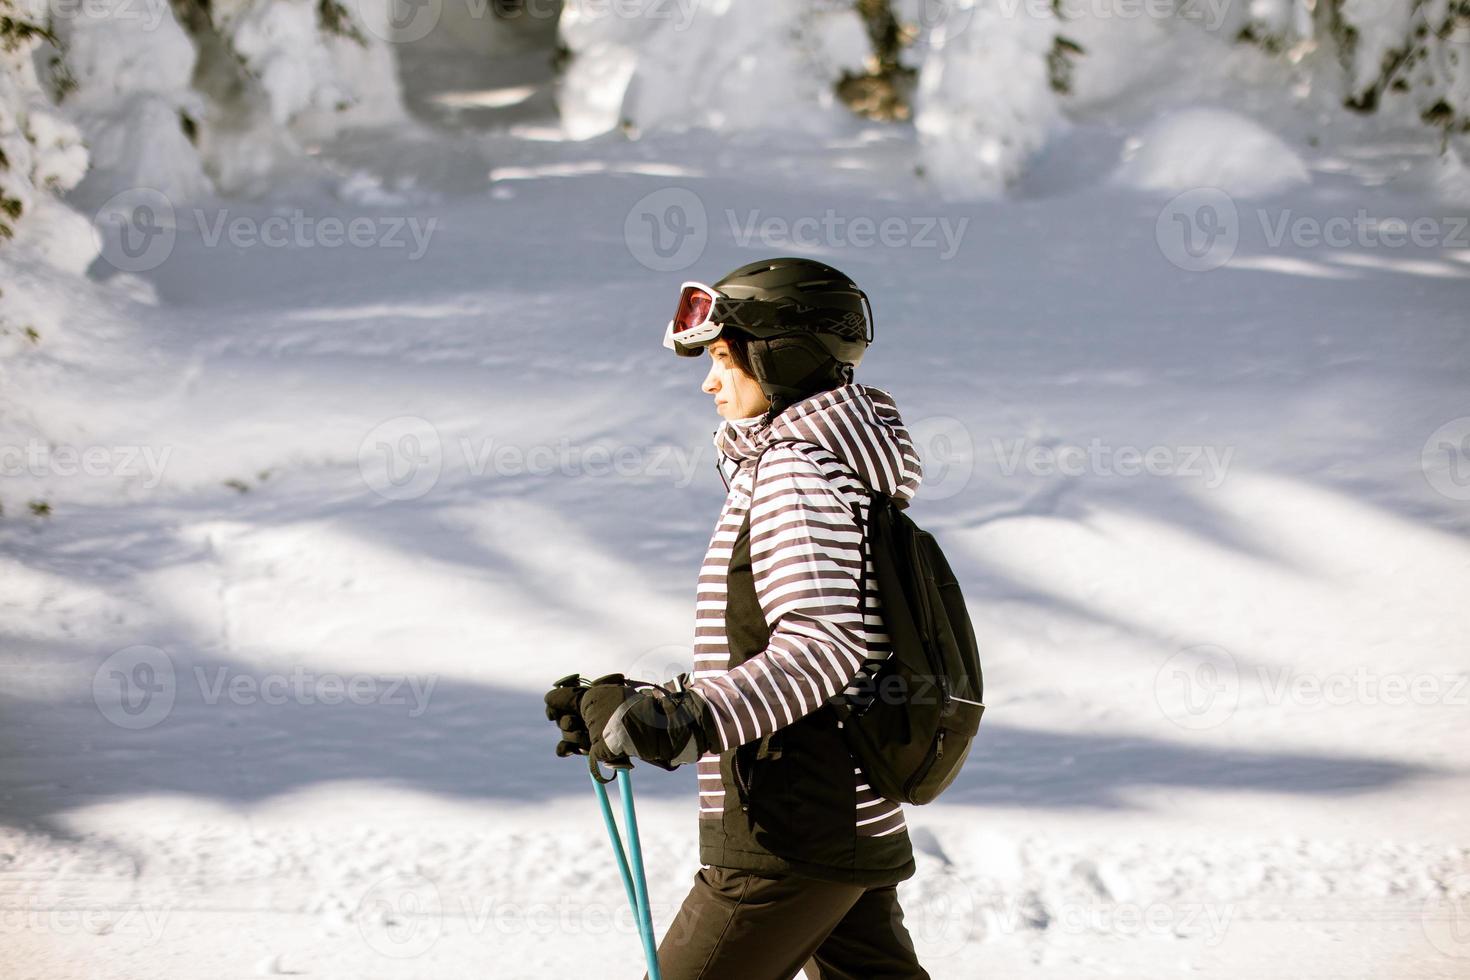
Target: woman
[799,856]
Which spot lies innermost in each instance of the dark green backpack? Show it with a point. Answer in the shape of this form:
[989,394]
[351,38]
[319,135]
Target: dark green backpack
[909,720]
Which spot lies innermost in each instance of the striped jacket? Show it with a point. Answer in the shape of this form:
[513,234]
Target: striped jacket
[782,625]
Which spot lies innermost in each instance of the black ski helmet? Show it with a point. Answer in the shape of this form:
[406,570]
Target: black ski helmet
[809,326]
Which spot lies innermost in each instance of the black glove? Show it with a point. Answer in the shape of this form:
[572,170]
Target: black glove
[581,712]
[668,726]
[616,718]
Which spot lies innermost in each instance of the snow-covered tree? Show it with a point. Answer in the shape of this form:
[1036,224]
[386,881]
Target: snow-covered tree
[722,65]
[41,153]
[1409,57]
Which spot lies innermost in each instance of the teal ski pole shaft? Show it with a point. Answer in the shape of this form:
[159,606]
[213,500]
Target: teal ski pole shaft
[635,884]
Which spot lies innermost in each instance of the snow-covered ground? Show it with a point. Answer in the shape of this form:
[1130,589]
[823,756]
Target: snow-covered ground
[345,502]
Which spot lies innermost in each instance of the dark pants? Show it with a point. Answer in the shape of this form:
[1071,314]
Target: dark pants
[737,925]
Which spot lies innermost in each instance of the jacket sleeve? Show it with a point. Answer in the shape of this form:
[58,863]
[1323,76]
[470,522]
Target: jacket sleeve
[806,553]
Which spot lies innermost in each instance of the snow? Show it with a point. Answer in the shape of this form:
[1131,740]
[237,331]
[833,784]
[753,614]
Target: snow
[309,75]
[347,504]
[974,144]
[132,66]
[1207,147]
[733,67]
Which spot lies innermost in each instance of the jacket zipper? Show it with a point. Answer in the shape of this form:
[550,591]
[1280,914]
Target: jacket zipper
[740,783]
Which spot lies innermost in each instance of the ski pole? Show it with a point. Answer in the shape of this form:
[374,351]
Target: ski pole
[635,885]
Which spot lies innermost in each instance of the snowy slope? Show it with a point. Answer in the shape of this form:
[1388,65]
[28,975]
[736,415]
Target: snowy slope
[1228,694]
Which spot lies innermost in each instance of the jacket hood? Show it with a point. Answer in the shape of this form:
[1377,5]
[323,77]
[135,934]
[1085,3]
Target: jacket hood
[857,423]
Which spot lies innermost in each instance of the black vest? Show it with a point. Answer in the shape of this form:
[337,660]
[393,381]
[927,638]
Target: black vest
[790,799]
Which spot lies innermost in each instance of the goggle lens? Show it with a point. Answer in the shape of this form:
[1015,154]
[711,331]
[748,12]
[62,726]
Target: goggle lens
[694,307]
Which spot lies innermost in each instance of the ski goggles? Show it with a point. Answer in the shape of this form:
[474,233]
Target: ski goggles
[704,311]
[694,321]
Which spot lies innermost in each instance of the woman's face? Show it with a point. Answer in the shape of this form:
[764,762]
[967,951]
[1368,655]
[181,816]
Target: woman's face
[737,394]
